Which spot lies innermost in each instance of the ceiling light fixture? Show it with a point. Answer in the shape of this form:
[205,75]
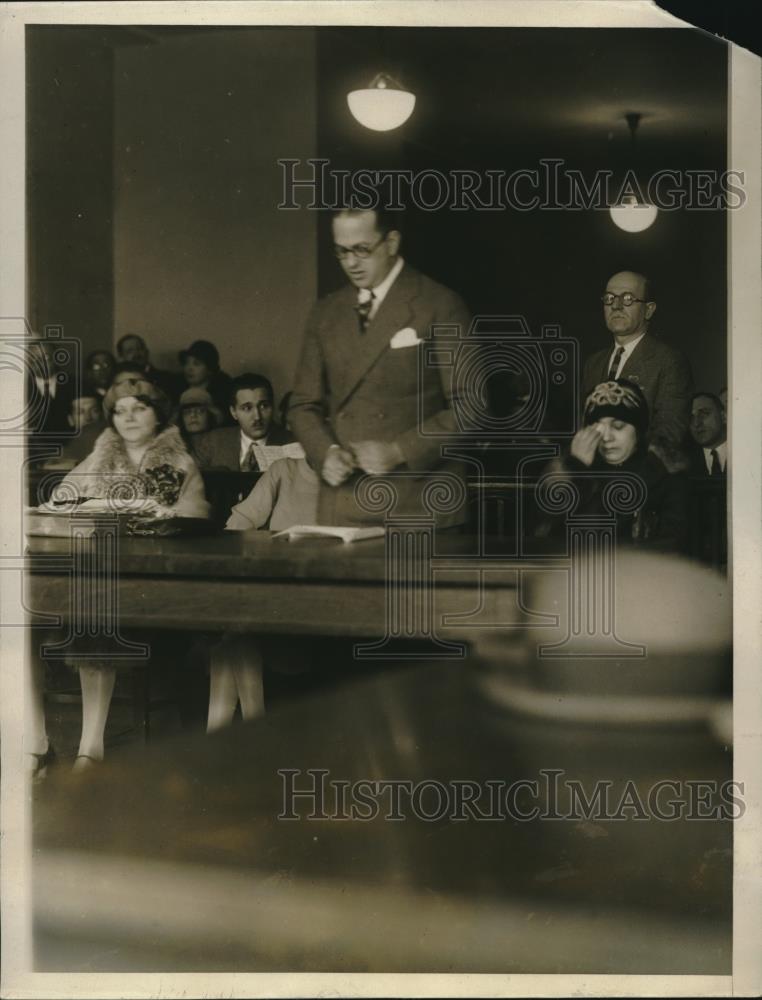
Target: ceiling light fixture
[383,105]
[633,214]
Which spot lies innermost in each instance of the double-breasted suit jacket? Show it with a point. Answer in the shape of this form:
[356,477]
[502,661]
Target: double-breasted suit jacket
[353,386]
[664,375]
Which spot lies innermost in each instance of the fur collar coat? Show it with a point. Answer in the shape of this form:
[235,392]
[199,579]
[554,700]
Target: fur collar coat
[167,474]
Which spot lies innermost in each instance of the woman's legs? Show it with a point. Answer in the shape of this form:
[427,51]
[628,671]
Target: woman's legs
[97,683]
[248,675]
[36,739]
[223,694]
[236,672]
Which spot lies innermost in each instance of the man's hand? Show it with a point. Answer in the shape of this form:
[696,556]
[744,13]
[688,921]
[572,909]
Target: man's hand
[377,457]
[337,466]
[585,444]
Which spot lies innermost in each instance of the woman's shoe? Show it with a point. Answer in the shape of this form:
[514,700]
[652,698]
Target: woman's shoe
[40,763]
[84,763]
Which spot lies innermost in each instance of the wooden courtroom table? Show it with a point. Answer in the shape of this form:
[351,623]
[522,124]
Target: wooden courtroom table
[246,581]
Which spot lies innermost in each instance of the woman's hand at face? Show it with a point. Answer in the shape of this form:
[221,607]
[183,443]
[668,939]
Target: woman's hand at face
[585,444]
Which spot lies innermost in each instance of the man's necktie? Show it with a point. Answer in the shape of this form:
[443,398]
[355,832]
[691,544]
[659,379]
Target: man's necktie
[363,312]
[250,463]
[615,363]
[715,468]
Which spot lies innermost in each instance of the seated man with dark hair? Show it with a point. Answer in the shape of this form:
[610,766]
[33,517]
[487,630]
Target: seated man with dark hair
[708,429]
[248,447]
[85,417]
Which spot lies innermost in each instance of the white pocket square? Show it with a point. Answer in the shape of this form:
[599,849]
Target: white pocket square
[404,338]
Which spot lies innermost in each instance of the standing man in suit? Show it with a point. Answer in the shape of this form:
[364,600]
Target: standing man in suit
[243,448]
[662,372]
[357,402]
[709,433]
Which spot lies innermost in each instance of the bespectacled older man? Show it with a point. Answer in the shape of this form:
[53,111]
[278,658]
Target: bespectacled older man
[661,371]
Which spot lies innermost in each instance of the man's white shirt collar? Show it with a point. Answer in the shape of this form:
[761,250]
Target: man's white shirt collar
[380,291]
[52,385]
[722,454]
[259,446]
[626,352]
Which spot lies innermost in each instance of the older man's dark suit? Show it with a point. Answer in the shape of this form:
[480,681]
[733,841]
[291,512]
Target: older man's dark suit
[664,375]
[353,386]
[221,448]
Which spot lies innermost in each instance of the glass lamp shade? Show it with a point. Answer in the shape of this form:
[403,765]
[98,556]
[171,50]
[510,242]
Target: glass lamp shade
[381,107]
[632,216]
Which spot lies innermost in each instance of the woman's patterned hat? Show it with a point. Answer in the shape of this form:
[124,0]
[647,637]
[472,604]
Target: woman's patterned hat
[620,399]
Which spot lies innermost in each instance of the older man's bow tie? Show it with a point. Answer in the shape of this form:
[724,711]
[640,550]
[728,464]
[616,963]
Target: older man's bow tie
[363,312]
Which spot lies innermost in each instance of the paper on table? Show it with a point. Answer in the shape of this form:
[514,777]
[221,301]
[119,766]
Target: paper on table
[323,531]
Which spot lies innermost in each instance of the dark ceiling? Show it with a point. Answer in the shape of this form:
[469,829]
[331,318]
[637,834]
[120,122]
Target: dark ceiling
[549,90]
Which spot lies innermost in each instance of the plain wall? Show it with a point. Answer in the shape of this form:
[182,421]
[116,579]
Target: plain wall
[200,247]
[69,182]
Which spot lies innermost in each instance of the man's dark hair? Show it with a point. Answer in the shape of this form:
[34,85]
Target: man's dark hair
[708,395]
[129,336]
[387,221]
[250,380]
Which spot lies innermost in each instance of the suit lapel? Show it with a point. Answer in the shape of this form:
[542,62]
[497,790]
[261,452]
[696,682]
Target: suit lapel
[358,352]
[633,366]
[233,448]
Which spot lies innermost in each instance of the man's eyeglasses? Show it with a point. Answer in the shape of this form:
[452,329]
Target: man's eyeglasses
[360,250]
[625,299]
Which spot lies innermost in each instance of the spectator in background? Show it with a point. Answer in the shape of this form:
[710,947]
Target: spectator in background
[84,410]
[100,368]
[709,432]
[49,395]
[248,446]
[662,373]
[86,419]
[201,370]
[133,350]
[197,415]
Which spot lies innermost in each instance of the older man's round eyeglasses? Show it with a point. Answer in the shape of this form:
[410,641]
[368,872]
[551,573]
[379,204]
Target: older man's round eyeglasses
[625,299]
[360,250]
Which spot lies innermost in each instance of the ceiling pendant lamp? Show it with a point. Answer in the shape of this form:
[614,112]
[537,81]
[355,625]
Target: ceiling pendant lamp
[633,214]
[383,105]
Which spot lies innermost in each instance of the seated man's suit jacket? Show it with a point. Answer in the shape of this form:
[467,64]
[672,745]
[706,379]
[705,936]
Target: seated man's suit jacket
[664,375]
[697,463]
[221,448]
[353,386]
